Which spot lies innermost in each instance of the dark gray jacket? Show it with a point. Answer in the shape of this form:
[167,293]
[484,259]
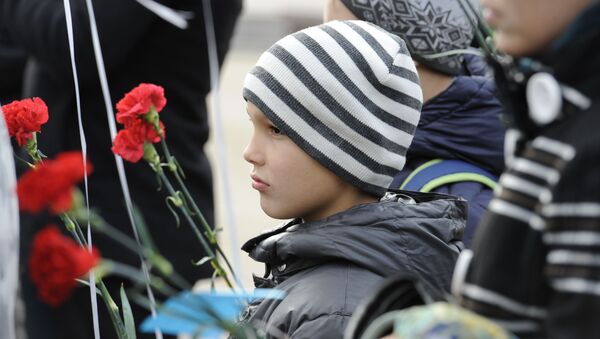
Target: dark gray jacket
[326,267]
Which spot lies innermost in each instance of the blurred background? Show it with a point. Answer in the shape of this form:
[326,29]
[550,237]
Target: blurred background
[262,23]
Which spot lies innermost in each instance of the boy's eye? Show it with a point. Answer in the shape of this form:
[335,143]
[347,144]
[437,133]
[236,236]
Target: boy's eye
[275,130]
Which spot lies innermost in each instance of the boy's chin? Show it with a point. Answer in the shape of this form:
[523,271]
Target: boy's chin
[517,45]
[276,213]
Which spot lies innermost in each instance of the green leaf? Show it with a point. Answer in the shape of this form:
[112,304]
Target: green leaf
[203,261]
[87,283]
[186,204]
[113,311]
[144,234]
[141,300]
[127,315]
[169,201]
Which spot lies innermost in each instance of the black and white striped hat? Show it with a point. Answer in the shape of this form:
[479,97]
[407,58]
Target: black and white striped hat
[347,93]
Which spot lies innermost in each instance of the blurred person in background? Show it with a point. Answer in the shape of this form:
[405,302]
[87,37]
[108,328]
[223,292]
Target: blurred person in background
[460,119]
[534,266]
[12,65]
[138,46]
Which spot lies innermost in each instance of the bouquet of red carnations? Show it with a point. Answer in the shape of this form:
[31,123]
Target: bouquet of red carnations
[57,262]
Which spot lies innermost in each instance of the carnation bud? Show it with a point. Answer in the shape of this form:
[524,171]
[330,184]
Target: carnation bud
[69,224]
[153,118]
[150,155]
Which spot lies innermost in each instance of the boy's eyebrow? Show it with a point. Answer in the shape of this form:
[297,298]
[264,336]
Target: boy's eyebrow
[256,117]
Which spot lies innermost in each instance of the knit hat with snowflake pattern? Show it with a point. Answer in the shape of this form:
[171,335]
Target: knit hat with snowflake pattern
[429,27]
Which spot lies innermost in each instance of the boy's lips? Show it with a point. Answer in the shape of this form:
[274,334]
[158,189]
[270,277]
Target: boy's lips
[258,184]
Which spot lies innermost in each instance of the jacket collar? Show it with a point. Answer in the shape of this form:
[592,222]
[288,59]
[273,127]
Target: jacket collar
[369,235]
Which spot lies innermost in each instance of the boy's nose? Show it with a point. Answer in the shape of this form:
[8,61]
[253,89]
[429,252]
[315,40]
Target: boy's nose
[251,153]
[247,154]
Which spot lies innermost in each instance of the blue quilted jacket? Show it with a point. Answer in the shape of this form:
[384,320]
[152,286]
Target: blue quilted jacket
[463,123]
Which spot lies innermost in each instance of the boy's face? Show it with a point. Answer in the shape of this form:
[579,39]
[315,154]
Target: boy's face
[291,183]
[527,27]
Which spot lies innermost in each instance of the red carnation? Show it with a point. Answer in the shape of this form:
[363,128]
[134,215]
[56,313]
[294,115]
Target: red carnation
[25,117]
[55,262]
[145,131]
[137,103]
[130,146]
[51,183]
[129,142]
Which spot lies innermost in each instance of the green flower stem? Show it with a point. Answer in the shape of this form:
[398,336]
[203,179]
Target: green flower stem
[73,228]
[141,300]
[80,231]
[163,266]
[211,235]
[30,165]
[113,310]
[173,168]
[214,260]
[133,273]
[174,194]
[32,149]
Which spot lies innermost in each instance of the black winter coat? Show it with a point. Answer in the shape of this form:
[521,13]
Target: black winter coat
[326,267]
[534,266]
[138,46]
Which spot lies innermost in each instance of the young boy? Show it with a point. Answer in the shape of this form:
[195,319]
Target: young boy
[460,119]
[334,109]
[535,261]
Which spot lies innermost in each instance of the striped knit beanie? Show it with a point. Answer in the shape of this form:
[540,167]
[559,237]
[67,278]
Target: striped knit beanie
[347,93]
[429,27]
